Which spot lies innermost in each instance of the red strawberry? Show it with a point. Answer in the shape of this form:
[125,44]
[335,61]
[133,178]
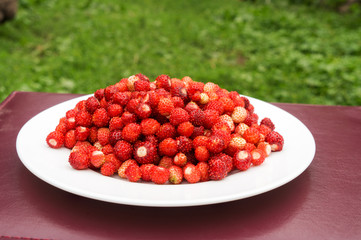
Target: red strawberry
[215,144]
[185,129]
[55,139]
[217,169]
[133,173]
[251,119]
[124,166]
[201,153]
[100,117]
[62,126]
[141,85]
[215,105]
[115,136]
[191,106]
[226,159]
[149,126]
[249,147]
[163,81]
[236,143]
[168,147]
[241,128]
[197,131]
[115,110]
[275,140]
[175,174]
[268,122]
[143,111]
[159,175]
[132,105]
[99,94]
[239,114]
[109,92]
[92,104]
[79,160]
[123,150]
[93,135]
[178,116]
[251,135]
[145,152]
[191,173]
[258,156]
[83,118]
[228,104]
[203,168]
[242,160]
[211,117]
[116,123]
[103,136]
[108,169]
[178,102]
[165,106]
[196,117]
[69,139]
[146,170]
[184,144]
[266,147]
[97,158]
[128,117]
[122,98]
[211,87]
[166,130]
[200,141]
[107,149]
[180,159]
[131,132]
[81,133]
[166,162]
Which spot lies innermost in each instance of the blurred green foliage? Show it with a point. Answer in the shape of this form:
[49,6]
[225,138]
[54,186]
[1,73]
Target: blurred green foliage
[272,50]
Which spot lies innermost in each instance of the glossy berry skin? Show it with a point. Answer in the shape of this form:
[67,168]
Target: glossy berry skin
[217,169]
[242,160]
[275,140]
[159,175]
[168,147]
[55,139]
[191,173]
[123,150]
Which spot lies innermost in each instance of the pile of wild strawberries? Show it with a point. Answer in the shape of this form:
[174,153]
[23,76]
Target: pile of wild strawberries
[165,131]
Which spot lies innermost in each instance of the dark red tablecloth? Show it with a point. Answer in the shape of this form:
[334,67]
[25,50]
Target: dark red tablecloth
[324,202]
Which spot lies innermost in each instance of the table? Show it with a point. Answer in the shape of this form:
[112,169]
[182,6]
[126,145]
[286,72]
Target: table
[324,202]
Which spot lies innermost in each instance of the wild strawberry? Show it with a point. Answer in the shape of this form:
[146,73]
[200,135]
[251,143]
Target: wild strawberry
[62,127]
[144,152]
[196,117]
[143,111]
[251,119]
[81,133]
[100,117]
[185,129]
[228,104]
[166,130]
[236,143]
[211,87]
[175,174]
[99,94]
[178,102]
[251,135]
[130,83]
[108,169]
[142,77]
[107,149]
[131,132]
[184,144]
[268,122]
[215,144]
[201,153]
[133,172]
[70,123]
[132,105]
[122,98]
[179,91]
[217,168]
[239,114]
[241,128]
[97,158]
[159,175]
[116,123]
[165,106]
[195,87]
[200,141]
[121,86]
[249,146]
[128,117]
[79,160]
[263,130]
[197,131]
[83,118]
[92,104]
[141,85]
[227,119]
[109,91]
[187,80]
[191,173]
[115,110]
[93,135]
[203,168]
[104,103]
[103,136]
[124,166]
[224,135]
[69,139]
[213,96]
[149,126]
[123,150]
[114,137]
[80,106]
[226,159]
[211,117]
[242,160]
[275,140]
[55,139]
[266,147]
[163,81]
[215,105]
[168,147]
[223,126]
[258,156]
[191,106]
[180,159]
[166,162]
[178,116]
[146,170]
[152,139]
[250,108]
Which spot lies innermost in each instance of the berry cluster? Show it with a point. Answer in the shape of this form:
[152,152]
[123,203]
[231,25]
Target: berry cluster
[164,131]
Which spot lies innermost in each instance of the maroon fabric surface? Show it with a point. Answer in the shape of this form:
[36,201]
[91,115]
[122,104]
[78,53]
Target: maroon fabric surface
[324,202]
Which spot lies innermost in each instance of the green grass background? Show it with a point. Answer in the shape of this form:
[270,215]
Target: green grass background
[278,52]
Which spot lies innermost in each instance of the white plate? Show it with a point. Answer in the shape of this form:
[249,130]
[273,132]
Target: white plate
[52,166]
